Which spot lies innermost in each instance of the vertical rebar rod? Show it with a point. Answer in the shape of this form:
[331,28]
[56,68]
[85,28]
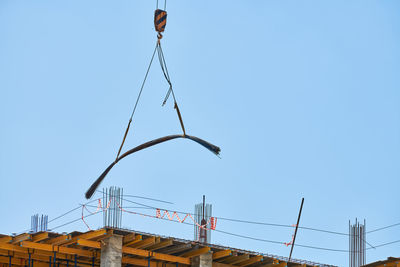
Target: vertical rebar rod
[365,236]
[352,247]
[113,206]
[108,212]
[355,243]
[108,206]
[359,244]
[116,206]
[113,212]
[204,203]
[122,199]
[349,244]
[102,191]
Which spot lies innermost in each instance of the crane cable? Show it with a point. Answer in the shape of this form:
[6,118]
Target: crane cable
[137,101]
[170,90]
[160,18]
[165,4]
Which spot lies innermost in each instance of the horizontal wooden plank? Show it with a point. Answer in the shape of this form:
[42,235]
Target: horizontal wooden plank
[195,252]
[155,255]
[221,254]
[60,249]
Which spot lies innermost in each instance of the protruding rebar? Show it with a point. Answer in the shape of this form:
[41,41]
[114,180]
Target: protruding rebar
[112,204]
[357,244]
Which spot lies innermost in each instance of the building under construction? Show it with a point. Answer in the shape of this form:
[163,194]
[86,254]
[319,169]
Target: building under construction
[117,247]
[389,262]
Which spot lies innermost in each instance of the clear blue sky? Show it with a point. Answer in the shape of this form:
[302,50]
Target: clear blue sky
[302,97]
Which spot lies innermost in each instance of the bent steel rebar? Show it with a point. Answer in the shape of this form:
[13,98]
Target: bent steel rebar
[209,146]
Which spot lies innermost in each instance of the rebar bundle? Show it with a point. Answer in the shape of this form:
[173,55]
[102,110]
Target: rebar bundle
[357,244]
[112,212]
[202,214]
[39,224]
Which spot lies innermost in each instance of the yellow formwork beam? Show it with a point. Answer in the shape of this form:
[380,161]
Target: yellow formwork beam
[137,252]
[196,252]
[59,249]
[20,238]
[234,255]
[128,238]
[88,243]
[221,254]
[40,236]
[58,240]
[87,235]
[389,264]
[109,233]
[137,239]
[18,262]
[170,258]
[237,259]
[250,261]
[23,260]
[145,242]
[275,264]
[138,262]
[145,262]
[219,264]
[154,255]
[13,248]
[17,251]
[162,244]
[5,239]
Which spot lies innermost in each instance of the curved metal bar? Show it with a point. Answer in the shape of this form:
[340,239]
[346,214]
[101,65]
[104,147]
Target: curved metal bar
[89,193]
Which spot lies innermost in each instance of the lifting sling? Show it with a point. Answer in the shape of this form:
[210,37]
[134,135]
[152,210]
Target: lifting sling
[160,20]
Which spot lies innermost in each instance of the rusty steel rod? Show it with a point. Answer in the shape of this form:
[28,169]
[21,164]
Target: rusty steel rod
[215,149]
